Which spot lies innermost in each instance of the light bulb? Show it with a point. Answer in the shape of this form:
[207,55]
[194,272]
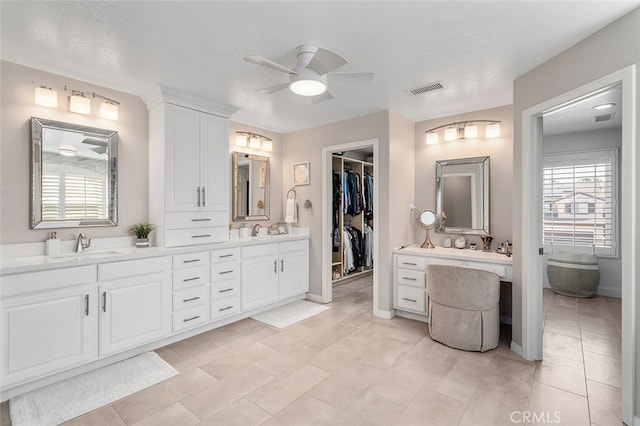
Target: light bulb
[46,97]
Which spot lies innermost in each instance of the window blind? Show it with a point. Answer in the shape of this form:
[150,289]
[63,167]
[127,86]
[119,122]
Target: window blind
[72,196]
[580,199]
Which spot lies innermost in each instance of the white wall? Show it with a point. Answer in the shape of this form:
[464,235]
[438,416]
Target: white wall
[17,105]
[609,50]
[500,170]
[610,268]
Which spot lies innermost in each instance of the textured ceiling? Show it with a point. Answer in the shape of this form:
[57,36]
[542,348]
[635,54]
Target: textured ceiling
[476,48]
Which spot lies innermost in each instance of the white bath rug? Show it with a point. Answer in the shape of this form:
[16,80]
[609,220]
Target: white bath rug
[291,313]
[71,398]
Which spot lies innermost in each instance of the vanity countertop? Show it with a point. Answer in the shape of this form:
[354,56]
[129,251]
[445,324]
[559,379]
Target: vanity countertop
[454,253]
[17,265]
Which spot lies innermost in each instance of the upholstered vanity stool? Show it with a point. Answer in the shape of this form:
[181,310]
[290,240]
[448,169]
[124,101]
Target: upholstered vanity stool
[463,307]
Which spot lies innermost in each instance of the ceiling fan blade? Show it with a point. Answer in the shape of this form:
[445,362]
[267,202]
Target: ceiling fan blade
[321,97]
[273,89]
[259,60]
[325,60]
[354,80]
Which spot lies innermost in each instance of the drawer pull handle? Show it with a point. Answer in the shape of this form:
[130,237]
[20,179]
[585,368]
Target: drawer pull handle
[225,255]
[410,263]
[409,279]
[201,236]
[224,309]
[104,301]
[191,261]
[225,272]
[191,319]
[86,304]
[191,299]
[275,266]
[409,300]
[204,200]
[190,279]
[201,220]
[198,191]
[282,265]
[226,290]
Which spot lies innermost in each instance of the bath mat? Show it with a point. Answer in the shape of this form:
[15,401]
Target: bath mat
[71,398]
[291,313]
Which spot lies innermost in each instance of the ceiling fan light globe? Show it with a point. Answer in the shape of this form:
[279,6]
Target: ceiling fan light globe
[308,87]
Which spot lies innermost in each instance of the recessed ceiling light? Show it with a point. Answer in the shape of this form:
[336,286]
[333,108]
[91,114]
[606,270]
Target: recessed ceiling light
[605,106]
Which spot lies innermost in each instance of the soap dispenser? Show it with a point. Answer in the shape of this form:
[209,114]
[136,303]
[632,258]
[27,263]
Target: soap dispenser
[52,245]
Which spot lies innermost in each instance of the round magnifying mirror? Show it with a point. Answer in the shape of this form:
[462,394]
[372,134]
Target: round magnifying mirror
[427,221]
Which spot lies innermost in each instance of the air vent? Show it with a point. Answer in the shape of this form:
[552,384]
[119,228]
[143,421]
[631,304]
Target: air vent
[426,88]
[605,117]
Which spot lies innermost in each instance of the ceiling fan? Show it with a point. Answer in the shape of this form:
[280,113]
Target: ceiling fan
[313,72]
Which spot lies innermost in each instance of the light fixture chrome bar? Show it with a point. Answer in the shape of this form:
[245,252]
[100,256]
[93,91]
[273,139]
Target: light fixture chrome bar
[66,88]
[255,135]
[461,124]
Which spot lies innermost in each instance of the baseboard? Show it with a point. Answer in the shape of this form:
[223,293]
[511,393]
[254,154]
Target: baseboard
[313,298]
[410,315]
[609,291]
[516,348]
[384,314]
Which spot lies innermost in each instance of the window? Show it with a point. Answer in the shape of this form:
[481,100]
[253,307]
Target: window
[83,191]
[580,192]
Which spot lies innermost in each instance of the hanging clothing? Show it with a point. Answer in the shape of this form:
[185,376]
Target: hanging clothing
[367,247]
[347,253]
[356,244]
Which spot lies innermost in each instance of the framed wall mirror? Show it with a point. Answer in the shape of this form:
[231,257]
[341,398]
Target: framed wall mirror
[462,195]
[74,177]
[250,187]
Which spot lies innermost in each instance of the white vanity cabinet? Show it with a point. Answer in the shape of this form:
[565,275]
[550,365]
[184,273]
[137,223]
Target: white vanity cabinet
[294,268]
[48,323]
[410,290]
[225,283]
[188,175]
[273,272]
[190,300]
[259,275]
[135,303]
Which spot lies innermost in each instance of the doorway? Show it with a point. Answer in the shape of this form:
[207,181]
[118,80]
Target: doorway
[371,145]
[531,271]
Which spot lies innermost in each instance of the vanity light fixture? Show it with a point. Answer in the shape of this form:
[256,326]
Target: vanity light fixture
[46,96]
[79,101]
[254,141]
[79,104]
[463,130]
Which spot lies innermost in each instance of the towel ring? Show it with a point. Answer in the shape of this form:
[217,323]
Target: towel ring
[290,191]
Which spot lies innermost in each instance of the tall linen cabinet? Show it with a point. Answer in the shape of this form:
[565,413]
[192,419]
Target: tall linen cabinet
[189,169]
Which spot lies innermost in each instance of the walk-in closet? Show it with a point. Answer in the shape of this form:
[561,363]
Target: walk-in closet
[352,208]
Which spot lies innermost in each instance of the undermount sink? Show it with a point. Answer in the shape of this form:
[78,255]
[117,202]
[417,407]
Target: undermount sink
[86,255]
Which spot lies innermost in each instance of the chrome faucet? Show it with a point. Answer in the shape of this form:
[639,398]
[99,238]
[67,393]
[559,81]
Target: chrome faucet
[80,244]
[255,230]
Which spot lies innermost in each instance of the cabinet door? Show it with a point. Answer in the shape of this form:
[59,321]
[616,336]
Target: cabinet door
[259,281]
[48,332]
[183,159]
[134,311]
[214,163]
[294,269]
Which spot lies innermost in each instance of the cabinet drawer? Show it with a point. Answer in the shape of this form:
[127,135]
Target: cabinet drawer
[197,220]
[189,297]
[411,299]
[225,271]
[499,270]
[225,288]
[132,268]
[410,277]
[190,260]
[225,255]
[184,278]
[225,307]
[189,318]
[292,246]
[260,250]
[193,236]
[14,285]
[411,262]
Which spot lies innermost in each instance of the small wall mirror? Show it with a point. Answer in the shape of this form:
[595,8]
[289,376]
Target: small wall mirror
[427,221]
[462,195]
[250,187]
[74,175]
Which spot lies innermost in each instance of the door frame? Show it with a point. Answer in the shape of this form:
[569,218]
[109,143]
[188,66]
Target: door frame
[327,191]
[531,160]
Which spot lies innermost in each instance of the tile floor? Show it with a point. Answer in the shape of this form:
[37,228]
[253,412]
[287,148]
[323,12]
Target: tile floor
[346,367]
